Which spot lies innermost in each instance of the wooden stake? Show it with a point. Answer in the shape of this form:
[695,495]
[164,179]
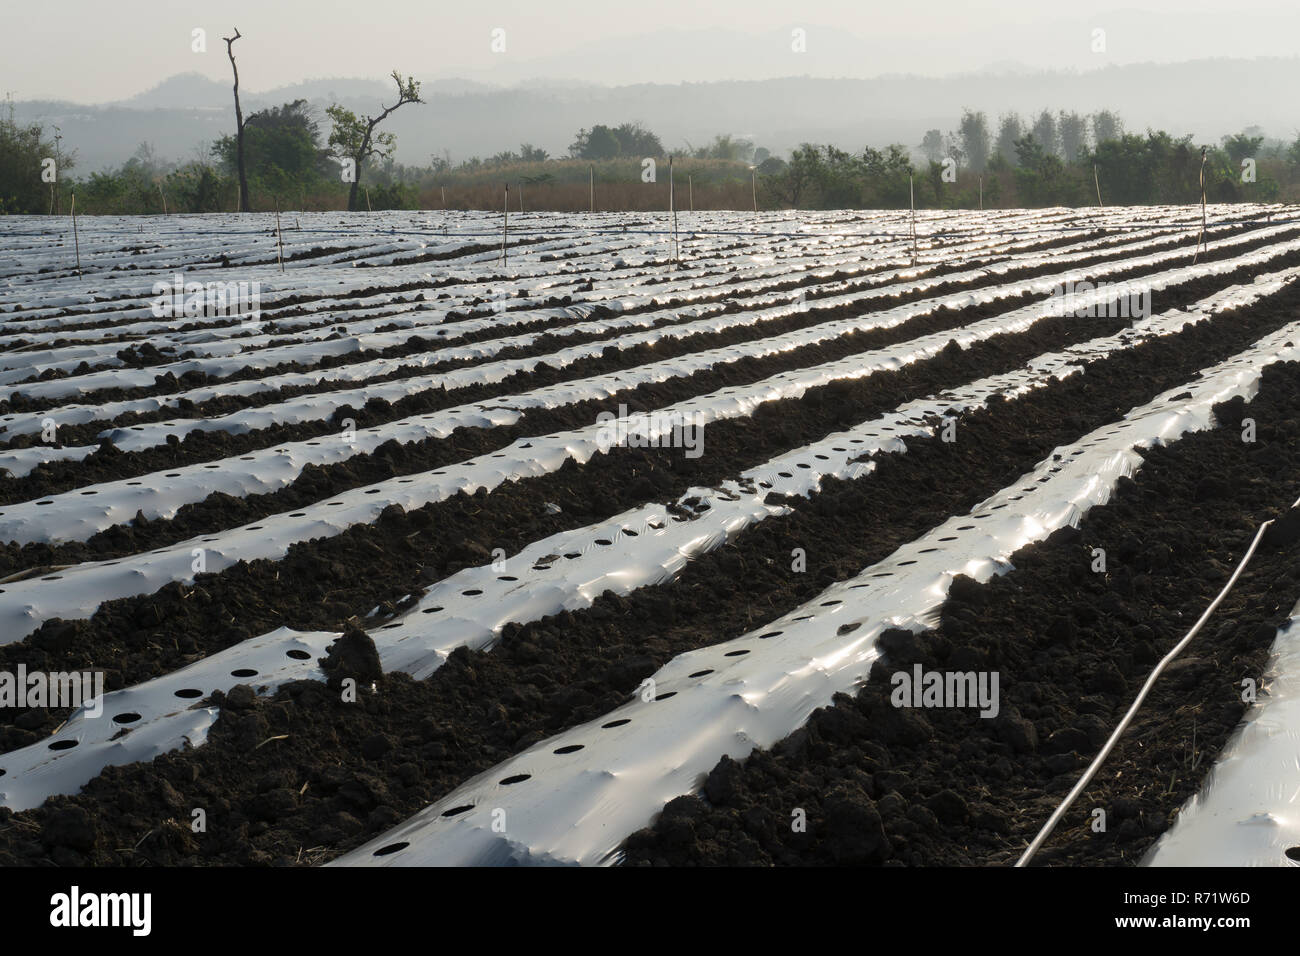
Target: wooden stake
[505,223]
[75,241]
[911,198]
[672,207]
[279,236]
[1202,232]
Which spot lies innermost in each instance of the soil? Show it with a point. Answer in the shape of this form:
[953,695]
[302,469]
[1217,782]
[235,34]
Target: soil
[392,459]
[883,785]
[302,776]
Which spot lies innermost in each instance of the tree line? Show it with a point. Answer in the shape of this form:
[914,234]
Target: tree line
[1053,159]
[282,155]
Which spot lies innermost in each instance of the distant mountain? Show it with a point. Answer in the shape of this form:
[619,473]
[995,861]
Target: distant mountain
[1206,98]
[182,91]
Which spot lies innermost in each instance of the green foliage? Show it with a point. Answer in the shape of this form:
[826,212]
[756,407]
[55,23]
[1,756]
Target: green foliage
[974,130]
[824,177]
[1242,146]
[628,140]
[197,187]
[726,147]
[131,189]
[600,143]
[283,153]
[23,151]
[355,138]
[394,195]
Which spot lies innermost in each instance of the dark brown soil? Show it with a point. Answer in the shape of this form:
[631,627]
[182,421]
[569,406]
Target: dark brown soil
[882,785]
[344,772]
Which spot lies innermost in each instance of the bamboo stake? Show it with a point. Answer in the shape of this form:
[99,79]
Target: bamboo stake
[367,189]
[1096,182]
[753,185]
[911,198]
[672,207]
[279,236]
[164,198]
[505,223]
[1201,235]
[75,241]
[444,197]
[981,192]
[690,188]
[591,172]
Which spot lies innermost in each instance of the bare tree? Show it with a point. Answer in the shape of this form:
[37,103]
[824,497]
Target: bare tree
[354,138]
[239,127]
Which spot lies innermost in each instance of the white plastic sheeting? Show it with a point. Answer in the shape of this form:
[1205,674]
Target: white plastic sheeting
[77,515]
[642,547]
[24,605]
[161,715]
[574,798]
[223,357]
[528,287]
[774,306]
[1247,812]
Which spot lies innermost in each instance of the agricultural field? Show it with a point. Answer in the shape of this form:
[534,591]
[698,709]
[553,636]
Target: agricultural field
[633,547]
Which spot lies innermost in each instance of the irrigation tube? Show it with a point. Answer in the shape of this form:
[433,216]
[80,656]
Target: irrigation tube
[1055,818]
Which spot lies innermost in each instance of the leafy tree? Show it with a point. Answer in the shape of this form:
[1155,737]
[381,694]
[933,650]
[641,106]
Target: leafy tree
[283,149]
[1045,134]
[1073,131]
[974,129]
[23,151]
[601,143]
[1242,146]
[887,174]
[1010,129]
[932,146]
[1041,177]
[727,147]
[1106,126]
[197,187]
[637,141]
[354,138]
[802,173]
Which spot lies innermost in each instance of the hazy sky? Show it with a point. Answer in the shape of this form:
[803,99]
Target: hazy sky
[96,51]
